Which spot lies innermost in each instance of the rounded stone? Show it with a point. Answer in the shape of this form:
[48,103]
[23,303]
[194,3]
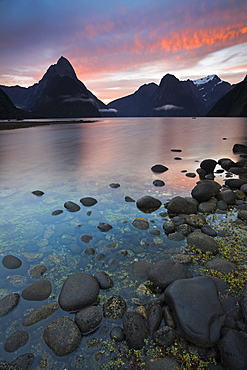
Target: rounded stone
[164,336]
[88,201]
[208,165]
[40,313]
[88,319]
[24,361]
[117,334]
[129,199]
[197,308]
[8,303]
[114,307]
[233,350]
[114,185]
[71,206]
[11,262]
[158,183]
[140,223]
[104,280]
[38,193]
[86,238]
[135,330]
[140,269]
[235,183]
[228,196]
[207,207]
[205,190]
[196,221]
[62,336]
[16,341]
[78,291]
[148,204]
[104,226]
[190,174]
[37,291]
[57,212]
[169,226]
[203,242]
[220,265]
[164,272]
[206,229]
[159,168]
[180,205]
[37,272]
[242,214]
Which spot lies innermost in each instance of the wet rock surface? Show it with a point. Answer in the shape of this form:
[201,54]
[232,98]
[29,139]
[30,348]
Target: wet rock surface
[11,262]
[71,206]
[181,205]
[79,290]
[88,319]
[114,307]
[40,313]
[88,201]
[37,291]
[203,242]
[148,204]
[197,308]
[62,336]
[8,303]
[134,329]
[16,341]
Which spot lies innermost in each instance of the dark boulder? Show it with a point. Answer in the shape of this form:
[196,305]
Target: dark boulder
[159,168]
[71,206]
[196,221]
[165,272]
[165,336]
[11,262]
[117,334]
[148,204]
[242,214]
[79,290]
[140,269]
[158,183]
[114,185]
[62,336]
[207,207]
[104,280]
[228,196]
[37,291]
[114,307]
[40,313]
[235,183]
[140,223]
[88,319]
[198,310]
[88,201]
[180,205]
[239,149]
[104,227]
[221,265]
[155,314]
[135,330]
[8,303]
[208,165]
[16,341]
[233,350]
[37,272]
[86,238]
[25,361]
[38,193]
[205,190]
[203,242]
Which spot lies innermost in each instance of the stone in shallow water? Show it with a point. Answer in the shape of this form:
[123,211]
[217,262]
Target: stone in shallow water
[40,313]
[23,361]
[104,226]
[203,242]
[88,201]
[233,350]
[134,329]
[16,341]
[198,309]
[38,193]
[104,280]
[79,290]
[114,185]
[165,272]
[114,307]
[11,262]
[62,336]
[57,212]
[88,319]
[208,165]
[140,223]
[148,204]
[8,303]
[37,291]
[159,168]
[221,265]
[158,183]
[181,205]
[205,190]
[71,206]
[37,272]
[86,238]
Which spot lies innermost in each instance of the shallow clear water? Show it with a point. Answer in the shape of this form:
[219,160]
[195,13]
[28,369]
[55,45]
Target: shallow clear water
[69,162]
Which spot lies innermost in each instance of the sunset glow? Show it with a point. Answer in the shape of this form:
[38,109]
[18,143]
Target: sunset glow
[115,47]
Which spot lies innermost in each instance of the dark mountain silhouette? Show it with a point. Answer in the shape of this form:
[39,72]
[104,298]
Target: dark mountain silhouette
[9,111]
[136,104]
[58,94]
[176,98]
[233,104]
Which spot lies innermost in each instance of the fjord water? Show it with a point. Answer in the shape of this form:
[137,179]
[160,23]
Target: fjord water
[71,161]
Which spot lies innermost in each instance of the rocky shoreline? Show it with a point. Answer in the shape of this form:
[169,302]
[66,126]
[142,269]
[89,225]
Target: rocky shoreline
[194,320]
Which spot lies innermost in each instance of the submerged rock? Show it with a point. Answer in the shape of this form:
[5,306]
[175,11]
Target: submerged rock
[79,290]
[40,313]
[71,206]
[88,319]
[134,329]
[148,204]
[88,201]
[38,193]
[11,262]
[16,341]
[37,291]
[114,307]
[205,190]
[140,223]
[62,336]
[159,168]
[104,280]
[158,183]
[198,309]
[165,272]
[104,226]
[8,303]
[24,361]
[37,272]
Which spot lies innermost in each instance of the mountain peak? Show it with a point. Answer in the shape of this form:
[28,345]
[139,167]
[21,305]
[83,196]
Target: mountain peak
[64,68]
[204,80]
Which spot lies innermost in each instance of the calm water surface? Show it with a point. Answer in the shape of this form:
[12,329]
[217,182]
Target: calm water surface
[69,162]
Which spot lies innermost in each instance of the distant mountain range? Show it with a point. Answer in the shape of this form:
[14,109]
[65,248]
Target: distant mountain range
[173,98]
[60,94]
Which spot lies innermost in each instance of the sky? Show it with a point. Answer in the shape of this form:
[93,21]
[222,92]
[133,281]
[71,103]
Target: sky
[116,46]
